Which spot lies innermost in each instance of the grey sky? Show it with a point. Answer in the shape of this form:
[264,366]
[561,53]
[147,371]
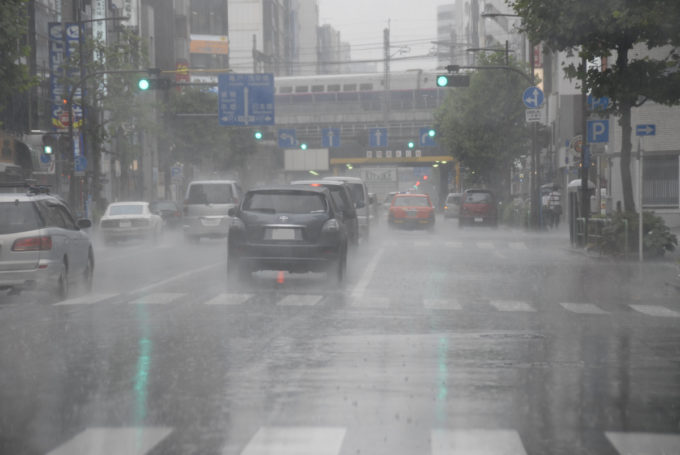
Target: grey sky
[361,23]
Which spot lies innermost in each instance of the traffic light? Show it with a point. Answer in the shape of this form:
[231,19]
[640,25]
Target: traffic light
[49,142]
[303,146]
[425,177]
[431,132]
[453,80]
[258,135]
[148,83]
[411,144]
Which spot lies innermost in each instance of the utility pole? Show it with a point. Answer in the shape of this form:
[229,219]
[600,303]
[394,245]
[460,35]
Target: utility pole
[386,93]
[585,155]
[535,186]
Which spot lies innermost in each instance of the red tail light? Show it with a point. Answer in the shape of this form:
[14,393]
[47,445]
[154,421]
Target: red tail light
[33,244]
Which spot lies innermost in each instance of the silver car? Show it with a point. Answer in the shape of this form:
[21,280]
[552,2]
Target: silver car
[41,245]
[205,208]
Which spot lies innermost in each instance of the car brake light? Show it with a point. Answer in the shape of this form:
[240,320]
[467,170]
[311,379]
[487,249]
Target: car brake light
[331,225]
[314,184]
[33,244]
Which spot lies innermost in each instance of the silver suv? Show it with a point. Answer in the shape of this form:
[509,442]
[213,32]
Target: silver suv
[205,208]
[41,245]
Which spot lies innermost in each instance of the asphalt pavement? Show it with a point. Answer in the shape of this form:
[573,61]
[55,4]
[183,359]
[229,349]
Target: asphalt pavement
[461,341]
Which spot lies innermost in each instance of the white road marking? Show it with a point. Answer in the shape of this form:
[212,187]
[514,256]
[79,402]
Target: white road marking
[582,308]
[229,299]
[476,442]
[656,310]
[422,243]
[518,246]
[300,300]
[453,244]
[361,286]
[86,299]
[510,305]
[484,245]
[644,443]
[441,304]
[296,441]
[157,298]
[371,302]
[175,278]
[113,441]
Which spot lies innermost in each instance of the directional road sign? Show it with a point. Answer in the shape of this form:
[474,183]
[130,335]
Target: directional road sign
[377,137]
[597,104]
[425,139]
[533,97]
[45,159]
[287,138]
[645,130]
[598,131]
[246,99]
[79,163]
[330,137]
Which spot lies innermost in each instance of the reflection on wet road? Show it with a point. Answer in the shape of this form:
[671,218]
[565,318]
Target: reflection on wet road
[457,342]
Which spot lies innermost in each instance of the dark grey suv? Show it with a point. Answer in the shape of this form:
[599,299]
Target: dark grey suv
[292,228]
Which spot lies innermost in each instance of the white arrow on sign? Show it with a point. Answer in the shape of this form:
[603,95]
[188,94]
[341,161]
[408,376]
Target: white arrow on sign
[287,137]
[378,137]
[533,99]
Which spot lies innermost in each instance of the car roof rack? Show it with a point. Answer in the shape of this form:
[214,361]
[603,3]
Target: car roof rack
[28,185]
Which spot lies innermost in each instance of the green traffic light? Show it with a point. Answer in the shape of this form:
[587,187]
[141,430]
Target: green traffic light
[442,81]
[258,135]
[411,144]
[303,146]
[431,133]
[47,150]
[143,84]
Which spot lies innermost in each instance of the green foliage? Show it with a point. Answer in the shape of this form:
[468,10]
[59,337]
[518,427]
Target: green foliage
[657,239]
[483,125]
[14,76]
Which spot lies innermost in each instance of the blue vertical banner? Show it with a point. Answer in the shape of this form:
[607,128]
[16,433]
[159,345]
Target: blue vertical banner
[63,44]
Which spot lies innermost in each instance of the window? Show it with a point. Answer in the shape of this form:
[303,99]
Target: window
[18,217]
[286,90]
[660,181]
[210,193]
[295,202]
[317,88]
[301,89]
[365,87]
[333,88]
[209,17]
[349,88]
[126,210]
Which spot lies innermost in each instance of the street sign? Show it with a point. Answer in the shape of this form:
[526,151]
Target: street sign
[533,97]
[535,115]
[287,138]
[598,131]
[377,137]
[330,137]
[426,140]
[597,104]
[645,130]
[246,99]
[45,159]
[79,164]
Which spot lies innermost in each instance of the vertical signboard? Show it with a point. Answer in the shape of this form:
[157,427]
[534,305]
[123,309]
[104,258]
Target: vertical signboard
[63,45]
[99,35]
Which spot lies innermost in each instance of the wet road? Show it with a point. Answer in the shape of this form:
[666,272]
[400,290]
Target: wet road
[473,341]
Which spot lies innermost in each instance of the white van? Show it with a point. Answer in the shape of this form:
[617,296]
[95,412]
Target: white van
[205,208]
[361,202]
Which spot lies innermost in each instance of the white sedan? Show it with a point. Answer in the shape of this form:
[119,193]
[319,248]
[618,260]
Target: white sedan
[130,220]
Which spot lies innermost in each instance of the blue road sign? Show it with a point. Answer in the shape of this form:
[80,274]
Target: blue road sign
[79,163]
[597,104]
[246,99]
[425,140]
[645,130]
[175,171]
[45,159]
[598,131]
[377,137]
[287,138]
[330,137]
[533,97]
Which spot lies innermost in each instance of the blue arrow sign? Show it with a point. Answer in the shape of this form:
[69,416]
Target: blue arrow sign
[245,99]
[533,97]
[287,138]
[377,137]
[425,140]
[645,130]
[330,137]
[598,131]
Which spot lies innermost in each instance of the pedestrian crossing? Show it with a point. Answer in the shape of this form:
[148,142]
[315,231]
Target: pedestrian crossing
[319,440]
[457,245]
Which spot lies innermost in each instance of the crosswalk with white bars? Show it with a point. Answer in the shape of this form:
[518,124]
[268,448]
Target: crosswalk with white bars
[314,440]
[373,302]
[454,245]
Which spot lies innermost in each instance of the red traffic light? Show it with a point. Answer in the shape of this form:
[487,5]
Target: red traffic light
[425,177]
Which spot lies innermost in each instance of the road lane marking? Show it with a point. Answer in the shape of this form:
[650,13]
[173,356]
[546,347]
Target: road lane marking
[361,286]
[454,244]
[441,304]
[511,305]
[300,300]
[229,299]
[518,246]
[178,277]
[656,310]
[484,245]
[582,308]
[371,302]
[86,299]
[476,442]
[113,441]
[644,443]
[157,298]
[296,440]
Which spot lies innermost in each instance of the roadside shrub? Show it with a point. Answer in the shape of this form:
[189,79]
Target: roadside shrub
[657,238]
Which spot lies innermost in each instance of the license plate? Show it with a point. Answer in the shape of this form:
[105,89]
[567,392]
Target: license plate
[412,213]
[210,221]
[283,234]
[125,224]
[479,220]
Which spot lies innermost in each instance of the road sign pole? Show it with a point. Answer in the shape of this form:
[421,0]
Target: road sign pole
[640,233]
[585,198]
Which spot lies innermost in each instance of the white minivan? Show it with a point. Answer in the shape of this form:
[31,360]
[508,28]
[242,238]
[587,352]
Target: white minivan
[361,202]
[205,208]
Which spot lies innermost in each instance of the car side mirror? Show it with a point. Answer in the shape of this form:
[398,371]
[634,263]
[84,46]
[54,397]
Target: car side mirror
[232,211]
[84,223]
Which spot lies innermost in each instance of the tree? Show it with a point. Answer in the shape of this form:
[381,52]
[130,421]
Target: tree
[483,125]
[13,27]
[612,28]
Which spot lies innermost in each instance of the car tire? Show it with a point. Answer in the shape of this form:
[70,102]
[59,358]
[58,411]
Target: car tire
[62,283]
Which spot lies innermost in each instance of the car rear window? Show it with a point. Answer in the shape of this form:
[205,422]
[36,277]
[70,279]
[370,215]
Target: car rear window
[357,190]
[406,201]
[210,193]
[478,197]
[453,199]
[164,206]
[18,217]
[126,210]
[277,202]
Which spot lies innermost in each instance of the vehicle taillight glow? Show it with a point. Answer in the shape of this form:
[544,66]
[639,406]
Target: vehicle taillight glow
[33,244]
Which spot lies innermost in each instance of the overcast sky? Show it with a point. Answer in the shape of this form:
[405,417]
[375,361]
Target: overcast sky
[413,23]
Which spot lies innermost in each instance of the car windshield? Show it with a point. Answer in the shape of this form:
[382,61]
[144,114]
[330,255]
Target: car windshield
[478,197]
[282,202]
[412,201]
[210,193]
[165,205]
[132,209]
[18,216]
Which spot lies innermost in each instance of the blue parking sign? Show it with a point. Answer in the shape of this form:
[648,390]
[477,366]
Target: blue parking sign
[598,131]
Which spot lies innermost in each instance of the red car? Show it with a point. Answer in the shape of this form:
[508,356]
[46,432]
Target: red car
[411,210]
[478,207]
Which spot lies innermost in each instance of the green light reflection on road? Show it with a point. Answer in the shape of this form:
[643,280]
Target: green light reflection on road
[442,378]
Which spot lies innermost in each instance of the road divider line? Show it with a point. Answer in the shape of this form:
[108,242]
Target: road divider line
[157,298]
[300,300]
[510,305]
[113,441]
[441,304]
[296,440]
[177,277]
[476,441]
[229,299]
[647,443]
[86,299]
[582,308]
[361,286]
[656,310]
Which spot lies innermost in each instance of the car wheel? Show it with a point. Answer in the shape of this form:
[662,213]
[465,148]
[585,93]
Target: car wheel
[88,275]
[62,283]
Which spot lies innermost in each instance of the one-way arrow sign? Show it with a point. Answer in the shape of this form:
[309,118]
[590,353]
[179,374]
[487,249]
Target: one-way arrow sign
[645,130]
[533,97]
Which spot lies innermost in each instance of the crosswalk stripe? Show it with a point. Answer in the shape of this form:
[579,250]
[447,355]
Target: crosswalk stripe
[371,302]
[157,298]
[476,442]
[518,246]
[656,310]
[485,245]
[644,443]
[441,304]
[422,243]
[229,299]
[453,244]
[86,299]
[300,300]
[509,305]
[583,308]
[113,441]
[296,440]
